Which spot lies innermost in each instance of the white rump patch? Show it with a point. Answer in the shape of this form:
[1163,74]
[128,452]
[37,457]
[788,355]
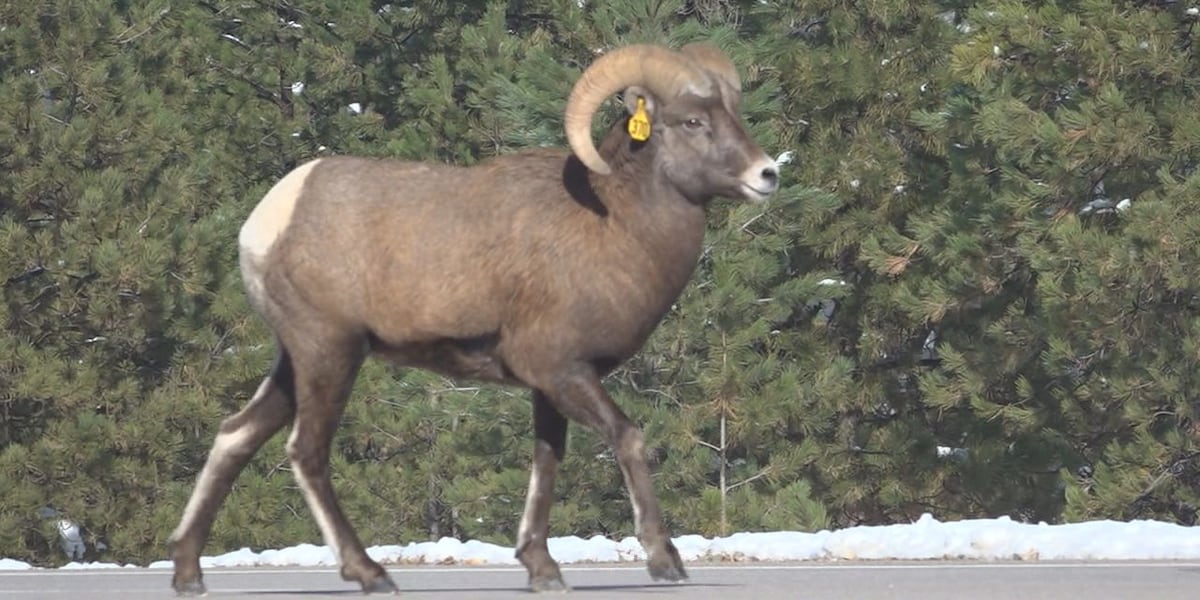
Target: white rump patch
[274,212]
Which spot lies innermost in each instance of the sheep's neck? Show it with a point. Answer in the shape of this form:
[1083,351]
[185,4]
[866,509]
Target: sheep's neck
[664,224]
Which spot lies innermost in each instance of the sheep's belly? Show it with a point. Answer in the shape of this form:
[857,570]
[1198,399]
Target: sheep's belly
[473,358]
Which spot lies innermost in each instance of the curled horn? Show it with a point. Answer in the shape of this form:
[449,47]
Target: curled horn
[716,62]
[662,71]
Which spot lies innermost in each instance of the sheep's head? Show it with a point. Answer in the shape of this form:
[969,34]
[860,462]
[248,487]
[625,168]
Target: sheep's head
[692,98]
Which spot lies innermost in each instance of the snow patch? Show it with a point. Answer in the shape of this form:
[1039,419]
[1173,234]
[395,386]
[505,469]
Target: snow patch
[87,566]
[8,564]
[926,539]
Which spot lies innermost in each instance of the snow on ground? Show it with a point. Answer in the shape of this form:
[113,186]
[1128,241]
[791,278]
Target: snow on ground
[8,564]
[928,538]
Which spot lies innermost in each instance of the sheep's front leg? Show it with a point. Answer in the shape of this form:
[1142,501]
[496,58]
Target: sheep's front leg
[550,431]
[581,398]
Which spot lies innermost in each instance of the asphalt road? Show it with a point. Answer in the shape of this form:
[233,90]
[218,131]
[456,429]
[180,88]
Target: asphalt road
[806,581]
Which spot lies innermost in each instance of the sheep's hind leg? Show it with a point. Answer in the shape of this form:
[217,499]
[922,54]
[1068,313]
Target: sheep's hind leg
[323,382]
[238,438]
[550,431]
[581,398]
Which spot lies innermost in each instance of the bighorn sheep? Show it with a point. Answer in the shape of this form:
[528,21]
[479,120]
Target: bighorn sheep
[543,269]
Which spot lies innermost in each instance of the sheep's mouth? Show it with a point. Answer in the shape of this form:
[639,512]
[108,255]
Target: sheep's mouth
[754,194]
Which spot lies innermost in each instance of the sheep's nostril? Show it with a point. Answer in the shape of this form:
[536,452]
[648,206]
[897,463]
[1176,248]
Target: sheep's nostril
[770,175]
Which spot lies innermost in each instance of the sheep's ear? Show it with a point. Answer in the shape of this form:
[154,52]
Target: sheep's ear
[631,95]
[641,106]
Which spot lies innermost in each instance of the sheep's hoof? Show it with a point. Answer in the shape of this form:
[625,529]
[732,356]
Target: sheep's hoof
[548,583]
[380,585]
[669,573]
[666,565]
[189,589]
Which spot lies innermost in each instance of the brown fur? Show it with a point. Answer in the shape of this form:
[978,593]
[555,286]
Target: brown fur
[527,269]
[482,267]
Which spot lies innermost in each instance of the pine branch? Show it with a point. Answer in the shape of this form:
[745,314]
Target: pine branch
[763,473]
[121,39]
[27,275]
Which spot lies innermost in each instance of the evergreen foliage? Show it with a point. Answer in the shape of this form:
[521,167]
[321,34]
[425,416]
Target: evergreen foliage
[974,295]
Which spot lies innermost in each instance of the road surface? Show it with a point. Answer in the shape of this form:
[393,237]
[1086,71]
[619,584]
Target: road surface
[933,580]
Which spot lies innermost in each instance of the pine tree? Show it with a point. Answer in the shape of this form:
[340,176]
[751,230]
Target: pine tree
[1077,154]
[972,295]
[789,332]
[108,269]
[137,135]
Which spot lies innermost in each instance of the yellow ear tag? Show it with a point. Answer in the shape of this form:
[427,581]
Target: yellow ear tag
[639,123]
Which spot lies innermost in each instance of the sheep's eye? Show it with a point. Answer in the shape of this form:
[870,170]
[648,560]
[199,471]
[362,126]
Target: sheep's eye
[693,123]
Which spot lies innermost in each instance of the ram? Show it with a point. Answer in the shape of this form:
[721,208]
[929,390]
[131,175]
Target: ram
[543,269]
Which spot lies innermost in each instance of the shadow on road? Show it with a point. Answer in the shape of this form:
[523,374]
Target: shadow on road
[579,589]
